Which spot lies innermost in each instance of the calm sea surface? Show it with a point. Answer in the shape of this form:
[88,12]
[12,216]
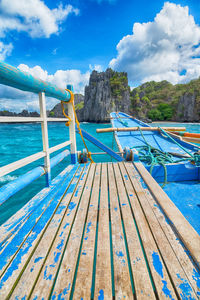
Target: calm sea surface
[20,140]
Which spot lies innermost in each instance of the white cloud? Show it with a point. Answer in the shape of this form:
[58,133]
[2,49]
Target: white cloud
[161,49]
[16,100]
[5,50]
[61,77]
[97,68]
[33,17]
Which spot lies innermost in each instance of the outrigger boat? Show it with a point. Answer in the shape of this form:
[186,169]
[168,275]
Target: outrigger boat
[97,230]
[173,162]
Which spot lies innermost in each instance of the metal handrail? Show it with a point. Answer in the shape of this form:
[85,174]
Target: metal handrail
[24,81]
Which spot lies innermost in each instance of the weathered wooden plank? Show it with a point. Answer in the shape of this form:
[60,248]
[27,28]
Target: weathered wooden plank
[64,280]
[186,232]
[36,220]
[85,269]
[142,282]
[103,283]
[48,241]
[123,289]
[35,229]
[13,225]
[159,252]
[191,272]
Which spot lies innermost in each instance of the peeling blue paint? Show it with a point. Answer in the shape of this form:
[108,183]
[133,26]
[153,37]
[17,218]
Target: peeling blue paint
[159,269]
[157,264]
[84,252]
[36,228]
[101,295]
[88,227]
[185,288]
[67,224]
[115,208]
[77,191]
[46,277]
[196,277]
[71,206]
[124,204]
[126,177]
[60,245]
[66,290]
[119,254]
[56,256]
[165,290]
[38,259]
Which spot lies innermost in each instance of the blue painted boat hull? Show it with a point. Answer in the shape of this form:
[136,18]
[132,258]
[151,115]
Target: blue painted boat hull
[176,171]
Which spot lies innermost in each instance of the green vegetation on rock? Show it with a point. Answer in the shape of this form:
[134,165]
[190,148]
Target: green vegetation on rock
[161,100]
[118,85]
[51,114]
[79,106]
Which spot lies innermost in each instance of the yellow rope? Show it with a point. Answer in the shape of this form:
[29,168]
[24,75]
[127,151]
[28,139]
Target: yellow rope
[77,122]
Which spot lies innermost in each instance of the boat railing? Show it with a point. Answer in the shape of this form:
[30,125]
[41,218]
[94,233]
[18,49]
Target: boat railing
[14,77]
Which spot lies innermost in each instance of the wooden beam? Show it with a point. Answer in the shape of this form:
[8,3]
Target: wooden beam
[191,139]
[100,130]
[103,282]
[186,232]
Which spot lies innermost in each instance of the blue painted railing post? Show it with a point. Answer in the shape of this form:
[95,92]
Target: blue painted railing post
[72,132]
[45,140]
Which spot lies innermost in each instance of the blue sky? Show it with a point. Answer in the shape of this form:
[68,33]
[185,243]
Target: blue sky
[63,41]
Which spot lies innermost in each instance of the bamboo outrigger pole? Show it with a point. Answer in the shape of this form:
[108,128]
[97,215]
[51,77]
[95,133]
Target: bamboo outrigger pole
[142,128]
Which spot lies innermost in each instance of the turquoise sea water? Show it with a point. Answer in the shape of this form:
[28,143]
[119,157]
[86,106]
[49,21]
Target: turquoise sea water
[20,140]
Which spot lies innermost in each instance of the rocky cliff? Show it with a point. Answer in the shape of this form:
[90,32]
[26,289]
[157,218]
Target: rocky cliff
[188,108]
[107,91]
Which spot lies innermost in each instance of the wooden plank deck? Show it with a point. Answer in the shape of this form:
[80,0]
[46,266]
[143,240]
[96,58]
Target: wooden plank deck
[104,231]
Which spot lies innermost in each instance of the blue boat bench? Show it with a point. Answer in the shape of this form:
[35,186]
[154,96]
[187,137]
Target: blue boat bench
[100,231]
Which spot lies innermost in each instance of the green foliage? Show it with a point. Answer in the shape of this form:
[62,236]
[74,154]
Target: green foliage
[155,115]
[163,111]
[52,113]
[79,105]
[166,110]
[162,92]
[118,84]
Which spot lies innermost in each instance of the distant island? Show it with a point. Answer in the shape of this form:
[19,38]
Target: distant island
[152,101]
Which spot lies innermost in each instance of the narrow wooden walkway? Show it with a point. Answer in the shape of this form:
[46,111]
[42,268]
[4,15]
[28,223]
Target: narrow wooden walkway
[104,231]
